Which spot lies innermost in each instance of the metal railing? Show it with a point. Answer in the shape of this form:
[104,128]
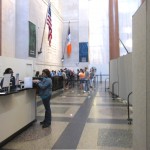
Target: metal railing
[101,77]
[105,84]
[128,108]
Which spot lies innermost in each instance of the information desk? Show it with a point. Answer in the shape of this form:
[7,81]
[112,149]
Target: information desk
[17,110]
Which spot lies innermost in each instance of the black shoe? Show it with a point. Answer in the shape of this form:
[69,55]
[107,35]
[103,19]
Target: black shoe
[45,125]
[42,122]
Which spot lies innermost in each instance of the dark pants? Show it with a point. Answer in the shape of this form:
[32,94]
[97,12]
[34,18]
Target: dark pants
[46,103]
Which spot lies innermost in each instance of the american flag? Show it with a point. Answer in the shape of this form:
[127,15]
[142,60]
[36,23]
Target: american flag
[49,23]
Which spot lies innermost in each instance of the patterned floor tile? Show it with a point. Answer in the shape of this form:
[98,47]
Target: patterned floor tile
[115,138]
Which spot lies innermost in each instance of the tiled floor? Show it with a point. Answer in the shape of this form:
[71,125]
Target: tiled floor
[80,121]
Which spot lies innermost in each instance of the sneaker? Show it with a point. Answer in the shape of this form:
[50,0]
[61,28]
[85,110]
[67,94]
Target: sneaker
[91,87]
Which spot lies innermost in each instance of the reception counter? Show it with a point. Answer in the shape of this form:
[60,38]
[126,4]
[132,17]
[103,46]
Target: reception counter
[17,110]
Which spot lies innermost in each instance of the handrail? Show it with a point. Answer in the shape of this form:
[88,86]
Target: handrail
[101,76]
[124,47]
[128,105]
[105,83]
[113,89]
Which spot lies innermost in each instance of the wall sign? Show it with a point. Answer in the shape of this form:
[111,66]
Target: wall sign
[83,52]
[32,40]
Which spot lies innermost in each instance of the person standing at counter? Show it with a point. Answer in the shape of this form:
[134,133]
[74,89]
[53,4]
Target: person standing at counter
[45,92]
[37,74]
[12,78]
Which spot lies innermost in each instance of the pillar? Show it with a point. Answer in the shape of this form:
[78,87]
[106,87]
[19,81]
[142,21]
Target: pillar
[142,1]
[113,29]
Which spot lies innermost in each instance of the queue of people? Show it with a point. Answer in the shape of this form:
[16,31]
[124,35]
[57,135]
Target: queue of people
[83,75]
[86,78]
[67,74]
[44,85]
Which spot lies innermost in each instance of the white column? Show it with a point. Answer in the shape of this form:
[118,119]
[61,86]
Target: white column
[22,28]
[83,24]
[8,28]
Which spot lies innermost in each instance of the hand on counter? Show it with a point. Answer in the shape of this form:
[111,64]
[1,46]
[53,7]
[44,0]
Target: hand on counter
[36,81]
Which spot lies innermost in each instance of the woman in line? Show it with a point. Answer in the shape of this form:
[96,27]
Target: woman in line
[81,78]
[45,92]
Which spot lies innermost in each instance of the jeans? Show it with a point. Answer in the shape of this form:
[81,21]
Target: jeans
[86,87]
[91,82]
[46,103]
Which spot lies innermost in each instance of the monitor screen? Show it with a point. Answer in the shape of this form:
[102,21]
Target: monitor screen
[28,82]
[17,79]
[6,81]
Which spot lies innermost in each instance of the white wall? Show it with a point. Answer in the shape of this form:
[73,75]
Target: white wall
[20,12]
[8,27]
[125,76]
[148,73]
[99,35]
[22,66]
[70,12]
[139,69]
[114,76]
[51,55]
[84,26]
[83,21]
[15,32]
[22,29]
[121,72]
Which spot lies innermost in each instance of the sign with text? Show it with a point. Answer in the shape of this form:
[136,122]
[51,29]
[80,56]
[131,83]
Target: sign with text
[83,52]
[32,40]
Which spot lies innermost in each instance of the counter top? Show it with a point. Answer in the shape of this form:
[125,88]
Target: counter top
[13,91]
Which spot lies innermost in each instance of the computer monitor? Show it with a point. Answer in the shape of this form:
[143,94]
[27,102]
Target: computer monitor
[6,81]
[28,82]
[17,79]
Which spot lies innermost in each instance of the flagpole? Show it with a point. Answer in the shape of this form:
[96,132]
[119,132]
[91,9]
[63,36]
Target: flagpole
[44,29]
[64,49]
